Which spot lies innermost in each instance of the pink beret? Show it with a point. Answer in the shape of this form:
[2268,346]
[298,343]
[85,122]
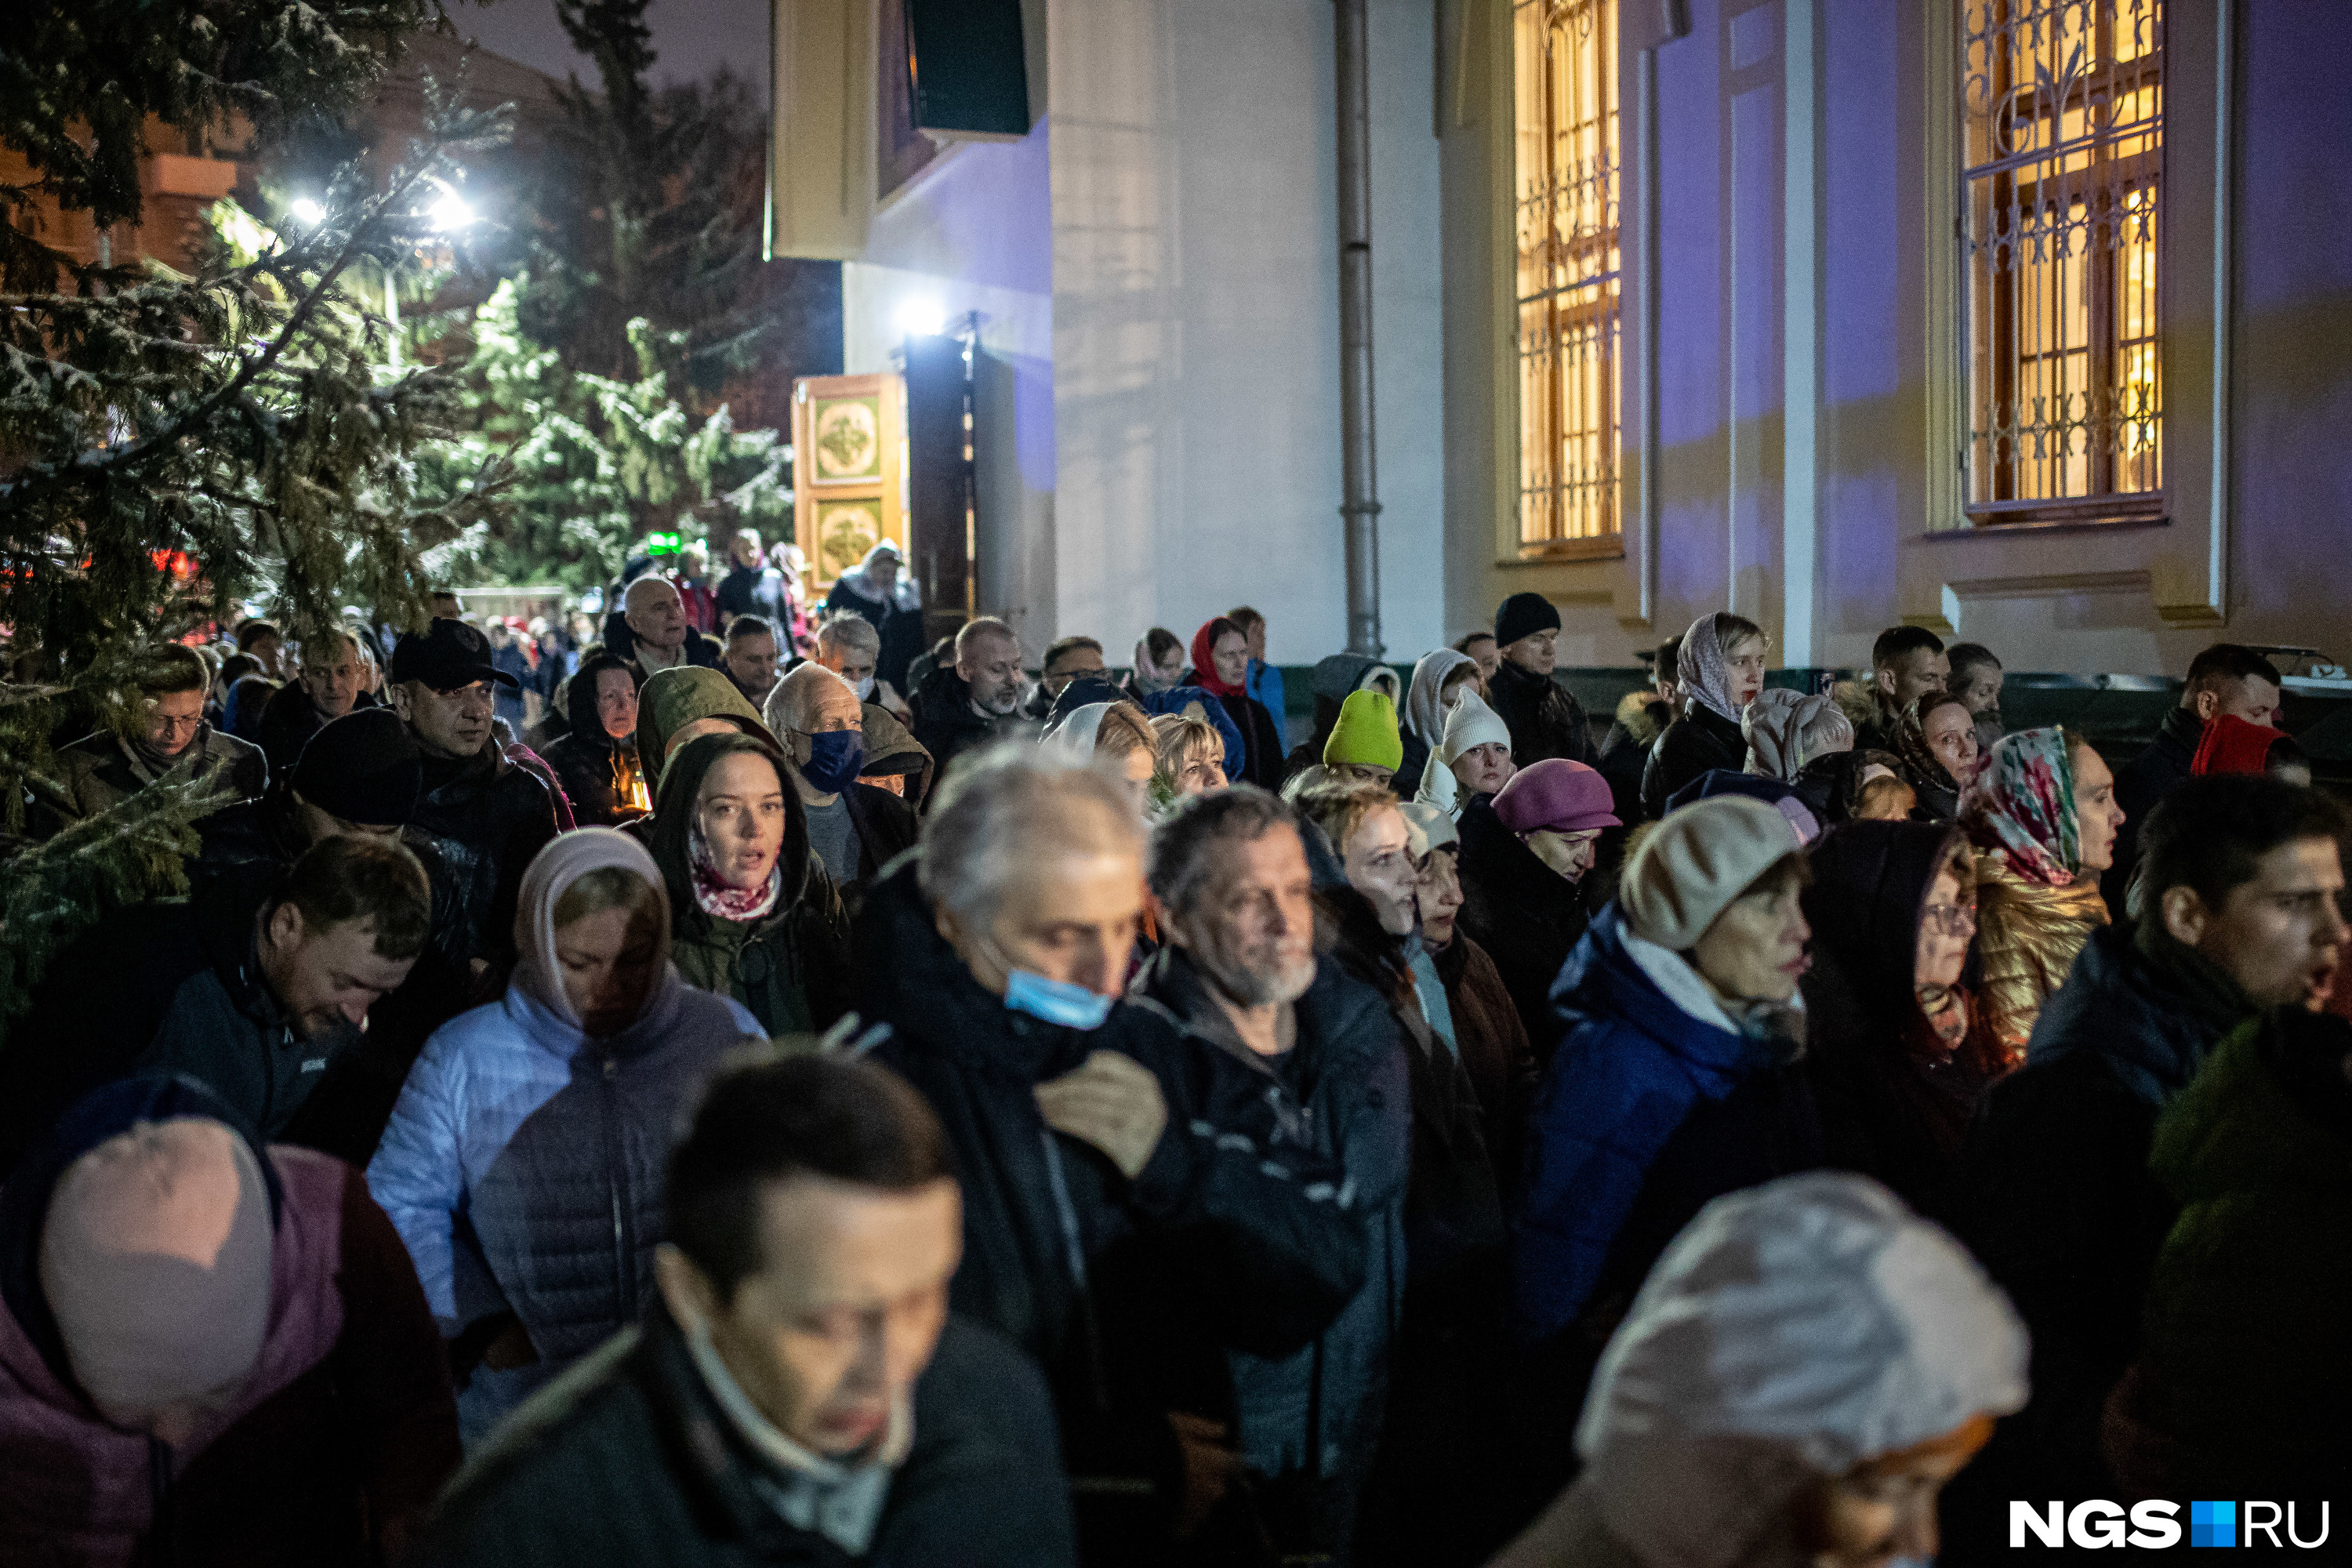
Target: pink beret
[1564,797]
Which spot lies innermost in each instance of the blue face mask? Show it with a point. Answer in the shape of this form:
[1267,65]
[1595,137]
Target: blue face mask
[1056,1001]
[834,758]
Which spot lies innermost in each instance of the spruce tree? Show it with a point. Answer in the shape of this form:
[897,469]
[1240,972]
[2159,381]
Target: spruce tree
[235,423]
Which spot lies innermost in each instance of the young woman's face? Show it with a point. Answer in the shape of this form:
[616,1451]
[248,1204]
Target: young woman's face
[1755,951]
[1883,1510]
[741,810]
[1947,924]
[1484,769]
[1744,672]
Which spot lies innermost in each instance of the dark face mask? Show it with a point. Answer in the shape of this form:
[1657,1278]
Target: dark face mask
[834,758]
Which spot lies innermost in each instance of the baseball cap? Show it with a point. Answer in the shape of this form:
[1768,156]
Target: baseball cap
[449,656]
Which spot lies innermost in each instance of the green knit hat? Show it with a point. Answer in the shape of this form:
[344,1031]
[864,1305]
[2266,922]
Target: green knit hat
[1366,734]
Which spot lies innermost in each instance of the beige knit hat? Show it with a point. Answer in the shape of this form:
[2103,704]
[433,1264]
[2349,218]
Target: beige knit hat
[1693,863]
[156,1260]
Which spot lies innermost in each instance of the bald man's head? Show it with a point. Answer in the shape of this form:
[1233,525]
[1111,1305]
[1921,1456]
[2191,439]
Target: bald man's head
[655,615]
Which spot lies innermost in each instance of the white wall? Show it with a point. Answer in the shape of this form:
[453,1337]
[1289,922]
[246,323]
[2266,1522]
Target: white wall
[1157,265]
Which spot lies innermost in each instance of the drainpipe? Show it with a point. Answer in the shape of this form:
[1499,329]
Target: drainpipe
[1360,509]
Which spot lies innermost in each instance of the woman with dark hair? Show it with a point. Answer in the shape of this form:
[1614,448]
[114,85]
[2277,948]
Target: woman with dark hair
[1897,1048]
[1936,743]
[1220,667]
[754,916]
[1719,672]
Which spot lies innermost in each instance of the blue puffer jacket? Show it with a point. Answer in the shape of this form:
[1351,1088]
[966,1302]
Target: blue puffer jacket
[523,1169]
[1632,1068]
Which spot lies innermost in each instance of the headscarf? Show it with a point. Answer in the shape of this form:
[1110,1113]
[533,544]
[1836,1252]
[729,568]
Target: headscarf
[1145,677]
[1910,739]
[1205,668]
[2231,745]
[1424,710]
[1703,670]
[1791,1332]
[1073,735]
[2023,801]
[1776,725]
[567,857]
[1470,723]
[904,594]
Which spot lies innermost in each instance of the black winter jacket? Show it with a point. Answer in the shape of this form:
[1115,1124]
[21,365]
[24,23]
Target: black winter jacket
[2055,1197]
[1525,914]
[1544,720]
[945,724]
[487,818]
[1343,1092]
[1701,740]
[163,988]
[288,719]
[1128,1294]
[628,1461]
[2140,784]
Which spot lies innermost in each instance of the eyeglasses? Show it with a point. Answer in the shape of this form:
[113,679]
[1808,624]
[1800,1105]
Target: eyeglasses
[1950,920]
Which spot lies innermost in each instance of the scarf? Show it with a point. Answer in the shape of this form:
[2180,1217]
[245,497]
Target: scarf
[1703,670]
[1147,677]
[2023,801]
[1910,739]
[2231,745]
[1425,707]
[157,764]
[714,897]
[1205,668]
[1775,724]
[567,857]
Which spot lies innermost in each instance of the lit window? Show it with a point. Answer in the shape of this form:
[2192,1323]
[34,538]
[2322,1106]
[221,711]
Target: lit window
[2061,182]
[1567,179]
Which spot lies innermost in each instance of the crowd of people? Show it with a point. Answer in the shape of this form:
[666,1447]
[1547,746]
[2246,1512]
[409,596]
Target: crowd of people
[796,1095]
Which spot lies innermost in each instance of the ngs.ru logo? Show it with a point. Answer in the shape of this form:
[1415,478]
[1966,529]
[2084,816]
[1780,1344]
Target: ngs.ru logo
[2156,1524]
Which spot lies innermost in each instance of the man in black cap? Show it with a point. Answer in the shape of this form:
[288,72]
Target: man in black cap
[1543,719]
[485,816]
[357,778]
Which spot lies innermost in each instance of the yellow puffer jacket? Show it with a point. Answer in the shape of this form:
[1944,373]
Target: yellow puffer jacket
[2027,937]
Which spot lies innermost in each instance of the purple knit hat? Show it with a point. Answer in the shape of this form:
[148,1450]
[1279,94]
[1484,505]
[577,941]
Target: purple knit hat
[1556,793]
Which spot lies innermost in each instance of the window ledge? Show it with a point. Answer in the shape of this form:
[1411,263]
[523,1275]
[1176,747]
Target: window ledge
[1604,547]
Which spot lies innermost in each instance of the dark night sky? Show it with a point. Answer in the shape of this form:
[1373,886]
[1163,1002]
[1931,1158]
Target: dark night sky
[693,38]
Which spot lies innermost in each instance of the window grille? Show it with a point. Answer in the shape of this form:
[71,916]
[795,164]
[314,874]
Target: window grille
[1566,177]
[2062,187]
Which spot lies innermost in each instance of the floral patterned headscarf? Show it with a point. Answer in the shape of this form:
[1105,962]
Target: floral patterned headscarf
[2023,801]
[1703,668]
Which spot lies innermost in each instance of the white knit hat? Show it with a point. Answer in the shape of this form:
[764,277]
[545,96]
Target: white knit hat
[1696,861]
[1791,1331]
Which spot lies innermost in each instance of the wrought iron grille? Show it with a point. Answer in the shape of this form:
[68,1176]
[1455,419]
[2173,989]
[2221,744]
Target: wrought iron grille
[2062,191]
[1568,166]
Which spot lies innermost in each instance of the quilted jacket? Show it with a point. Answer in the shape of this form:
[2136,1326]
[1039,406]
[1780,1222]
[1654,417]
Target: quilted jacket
[523,1169]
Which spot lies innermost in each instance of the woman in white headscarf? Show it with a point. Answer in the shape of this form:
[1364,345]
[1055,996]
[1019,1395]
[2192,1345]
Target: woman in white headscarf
[1116,737]
[1787,730]
[1804,1369]
[523,1163]
[1438,682]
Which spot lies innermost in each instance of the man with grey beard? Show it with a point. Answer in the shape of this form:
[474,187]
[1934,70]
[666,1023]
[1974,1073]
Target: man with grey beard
[1229,878]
